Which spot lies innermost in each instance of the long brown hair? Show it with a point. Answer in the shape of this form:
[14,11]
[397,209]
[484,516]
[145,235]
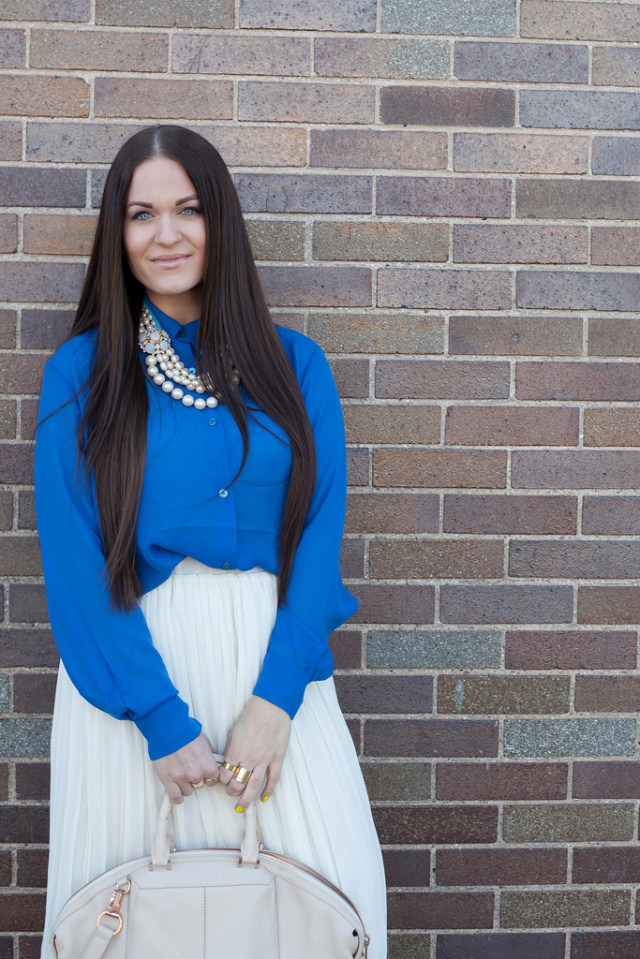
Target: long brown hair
[235,326]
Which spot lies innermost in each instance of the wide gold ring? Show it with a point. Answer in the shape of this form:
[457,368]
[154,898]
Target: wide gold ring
[210,779]
[198,784]
[243,775]
[230,766]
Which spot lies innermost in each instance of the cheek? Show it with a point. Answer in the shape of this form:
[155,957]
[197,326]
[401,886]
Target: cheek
[133,247]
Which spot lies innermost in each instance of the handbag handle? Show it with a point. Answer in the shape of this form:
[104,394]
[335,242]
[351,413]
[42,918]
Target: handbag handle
[162,842]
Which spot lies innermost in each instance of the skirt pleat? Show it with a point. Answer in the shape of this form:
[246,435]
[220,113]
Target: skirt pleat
[212,629]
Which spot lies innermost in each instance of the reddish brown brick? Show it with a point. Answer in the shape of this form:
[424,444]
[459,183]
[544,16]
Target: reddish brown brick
[614,337]
[475,469]
[615,246]
[4,784]
[34,693]
[606,780]
[576,469]
[26,509]
[570,649]
[59,234]
[432,824]
[28,419]
[559,20]
[435,379]
[32,781]
[607,694]
[22,911]
[283,56]
[21,373]
[32,867]
[511,426]
[586,907]
[7,329]
[30,947]
[381,603]
[44,96]
[614,515]
[443,196]
[5,868]
[496,695]
[346,647]
[97,50]
[352,377]
[502,945]
[509,514]
[305,102]
[436,559]
[385,694]
[358,465]
[431,737]
[443,289]
[20,824]
[605,945]
[515,336]
[345,240]
[392,513]
[316,285]
[406,867]
[8,233]
[506,604]
[377,333]
[609,604]
[501,867]
[380,149]
[432,910]
[378,423]
[447,106]
[189,99]
[519,244]
[304,193]
[578,381]
[477,781]
[525,62]
[578,559]
[27,647]
[612,427]
[520,153]
[218,14]
[352,559]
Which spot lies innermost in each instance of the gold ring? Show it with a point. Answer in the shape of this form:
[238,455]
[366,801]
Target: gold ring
[243,775]
[211,780]
[230,766]
[198,784]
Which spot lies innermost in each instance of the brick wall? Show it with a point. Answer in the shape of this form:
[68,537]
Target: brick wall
[444,194]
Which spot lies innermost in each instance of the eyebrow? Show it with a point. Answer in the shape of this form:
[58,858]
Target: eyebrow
[149,206]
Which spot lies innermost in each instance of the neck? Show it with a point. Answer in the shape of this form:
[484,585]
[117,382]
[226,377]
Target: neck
[181,307]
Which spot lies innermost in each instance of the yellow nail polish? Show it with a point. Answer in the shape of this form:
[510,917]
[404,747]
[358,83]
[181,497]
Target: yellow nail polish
[239,809]
[264,798]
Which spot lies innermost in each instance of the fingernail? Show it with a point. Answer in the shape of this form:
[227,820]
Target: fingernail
[264,798]
[239,809]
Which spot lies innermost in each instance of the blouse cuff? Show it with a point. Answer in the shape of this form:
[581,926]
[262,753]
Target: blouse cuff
[168,727]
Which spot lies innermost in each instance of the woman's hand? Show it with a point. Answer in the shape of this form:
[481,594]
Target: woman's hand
[190,764]
[258,741]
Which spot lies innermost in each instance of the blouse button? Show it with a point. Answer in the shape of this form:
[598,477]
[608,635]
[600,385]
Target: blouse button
[213,421]
[181,333]
[223,493]
[226,566]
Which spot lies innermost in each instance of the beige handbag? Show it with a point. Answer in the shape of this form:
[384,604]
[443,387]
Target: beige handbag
[246,903]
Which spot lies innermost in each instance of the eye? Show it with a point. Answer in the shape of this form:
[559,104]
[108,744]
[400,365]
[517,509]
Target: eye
[141,215]
[191,210]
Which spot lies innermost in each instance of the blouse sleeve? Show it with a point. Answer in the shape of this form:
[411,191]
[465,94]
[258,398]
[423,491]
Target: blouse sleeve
[108,654]
[317,601]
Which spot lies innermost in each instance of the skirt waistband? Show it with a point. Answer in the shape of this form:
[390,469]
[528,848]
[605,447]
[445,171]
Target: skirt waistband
[190,566]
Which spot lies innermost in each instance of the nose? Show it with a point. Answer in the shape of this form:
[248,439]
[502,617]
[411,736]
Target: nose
[167,232]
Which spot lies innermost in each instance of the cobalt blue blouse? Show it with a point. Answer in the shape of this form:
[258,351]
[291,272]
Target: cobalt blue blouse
[189,507]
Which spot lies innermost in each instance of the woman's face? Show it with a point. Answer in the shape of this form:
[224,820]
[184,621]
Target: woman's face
[164,237]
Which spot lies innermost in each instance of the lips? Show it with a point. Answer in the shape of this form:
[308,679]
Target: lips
[165,262]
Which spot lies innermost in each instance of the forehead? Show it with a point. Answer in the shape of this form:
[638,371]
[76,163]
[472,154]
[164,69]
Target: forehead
[159,179]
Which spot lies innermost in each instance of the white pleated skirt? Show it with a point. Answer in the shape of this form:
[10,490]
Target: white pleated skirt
[212,630]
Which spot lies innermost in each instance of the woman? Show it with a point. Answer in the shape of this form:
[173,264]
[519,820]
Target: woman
[191,513]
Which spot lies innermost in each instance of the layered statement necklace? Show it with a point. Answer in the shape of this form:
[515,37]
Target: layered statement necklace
[167,370]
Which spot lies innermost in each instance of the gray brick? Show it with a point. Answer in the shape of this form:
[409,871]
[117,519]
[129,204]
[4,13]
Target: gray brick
[587,907]
[434,649]
[4,694]
[616,66]
[570,737]
[283,56]
[357,16]
[76,142]
[564,823]
[41,282]
[12,49]
[314,193]
[62,10]
[473,18]
[578,199]
[588,110]
[563,290]
[25,737]
[443,196]
[28,187]
[218,14]
[397,782]
[402,59]
[443,289]
[617,156]
[526,62]
[276,239]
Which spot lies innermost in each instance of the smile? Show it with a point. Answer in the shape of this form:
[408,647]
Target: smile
[166,262]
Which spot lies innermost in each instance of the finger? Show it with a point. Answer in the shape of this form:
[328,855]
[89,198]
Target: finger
[273,776]
[252,788]
[174,792]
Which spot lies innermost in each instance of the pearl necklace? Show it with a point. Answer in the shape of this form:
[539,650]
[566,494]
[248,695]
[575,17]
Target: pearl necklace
[167,370]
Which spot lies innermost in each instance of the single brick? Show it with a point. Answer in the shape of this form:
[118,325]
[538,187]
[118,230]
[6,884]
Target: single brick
[561,20]
[576,469]
[28,419]
[397,782]
[506,604]
[380,149]
[32,781]
[433,649]
[4,692]
[515,335]
[305,102]
[189,99]
[276,239]
[300,193]
[28,647]
[385,694]
[40,187]
[7,419]
[619,156]
[607,694]
[26,509]
[519,244]
[568,823]
[612,427]
[606,780]
[358,466]
[307,15]
[6,510]
[444,289]
[316,285]
[495,780]
[577,559]
[500,867]
[44,96]
[571,649]
[13,49]
[458,17]
[20,556]
[8,329]
[441,379]
[511,426]
[218,14]
[569,737]
[438,469]
[577,199]
[392,513]
[519,153]
[352,559]
[407,867]
[443,196]
[616,66]
[59,234]
[444,825]
[8,233]
[586,110]
[408,59]
[4,786]
[60,10]
[32,867]
[488,695]
[466,513]
[21,373]
[351,377]
[34,693]
[430,737]
[25,737]
[433,910]
[609,605]
[436,559]
[346,647]
[605,945]
[10,140]
[588,907]
[201,53]
[76,142]
[613,515]
[502,945]
[382,603]
[377,332]
[380,423]
[409,242]
[523,62]
[615,246]
[613,336]
[16,466]
[23,911]
[5,870]
[28,603]
[99,50]
[447,106]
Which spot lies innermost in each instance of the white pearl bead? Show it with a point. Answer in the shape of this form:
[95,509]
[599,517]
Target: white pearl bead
[150,360]
[200,388]
[199,404]
[163,365]
[152,370]
[187,399]
[167,386]
[158,379]
[177,394]
[212,402]
[170,350]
